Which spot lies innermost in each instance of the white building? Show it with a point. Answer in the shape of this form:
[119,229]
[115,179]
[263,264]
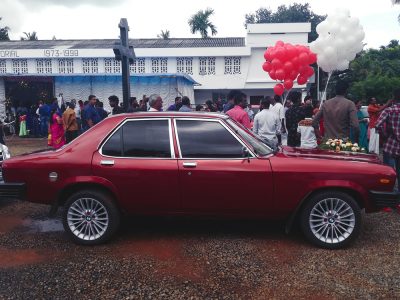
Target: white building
[200,68]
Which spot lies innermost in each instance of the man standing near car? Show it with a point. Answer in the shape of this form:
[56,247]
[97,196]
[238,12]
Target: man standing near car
[237,112]
[340,114]
[70,123]
[267,124]
[91,116]
[114,103]
[185,105]
[155,102]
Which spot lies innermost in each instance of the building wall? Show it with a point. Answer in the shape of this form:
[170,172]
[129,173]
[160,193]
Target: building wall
[2,99]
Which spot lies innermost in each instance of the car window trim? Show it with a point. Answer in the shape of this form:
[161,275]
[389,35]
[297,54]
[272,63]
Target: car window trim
[209,158]
[171,142]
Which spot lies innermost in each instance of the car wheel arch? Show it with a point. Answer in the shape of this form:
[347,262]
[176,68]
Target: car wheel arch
[70,189]
[293,218]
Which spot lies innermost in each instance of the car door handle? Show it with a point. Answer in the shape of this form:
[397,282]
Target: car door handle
[107,162]
[189,164]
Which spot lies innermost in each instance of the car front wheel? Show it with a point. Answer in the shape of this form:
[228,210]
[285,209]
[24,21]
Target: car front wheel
[90,217]
[331,220]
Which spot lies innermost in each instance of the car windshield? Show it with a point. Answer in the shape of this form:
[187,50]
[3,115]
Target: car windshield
[258,145]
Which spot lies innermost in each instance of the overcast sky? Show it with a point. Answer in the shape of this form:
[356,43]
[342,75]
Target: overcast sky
[87,19]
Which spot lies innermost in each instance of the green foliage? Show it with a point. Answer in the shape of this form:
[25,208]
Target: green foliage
[29,36]
[200,22]
[4,33]
[165,35]
[375,73]
[294,13]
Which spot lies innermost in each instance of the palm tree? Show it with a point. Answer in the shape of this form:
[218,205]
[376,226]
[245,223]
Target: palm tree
[29,36]
[200,22]
[4,33]
[163,35]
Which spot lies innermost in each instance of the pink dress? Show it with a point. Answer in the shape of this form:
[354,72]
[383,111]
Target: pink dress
[57,133]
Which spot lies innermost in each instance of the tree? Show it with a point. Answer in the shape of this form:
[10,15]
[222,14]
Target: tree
[4,33]
[29,36]
[294,13]
[164,35]
[200,22]
[396,2]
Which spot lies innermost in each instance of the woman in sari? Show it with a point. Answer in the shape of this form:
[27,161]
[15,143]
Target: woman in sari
[56,130]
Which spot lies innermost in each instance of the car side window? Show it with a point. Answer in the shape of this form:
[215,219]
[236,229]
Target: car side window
[146,138]
[204,139]
[113,146]
[142,138]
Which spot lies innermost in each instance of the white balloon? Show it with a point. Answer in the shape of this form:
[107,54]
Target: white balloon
[334,28]
[322,28]
[343,65]
[353,23]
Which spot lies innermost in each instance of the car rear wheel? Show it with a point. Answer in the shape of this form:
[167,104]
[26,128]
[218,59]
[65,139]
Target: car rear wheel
[331,220]
[90,217]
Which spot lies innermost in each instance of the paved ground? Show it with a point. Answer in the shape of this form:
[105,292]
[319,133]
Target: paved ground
[184,258]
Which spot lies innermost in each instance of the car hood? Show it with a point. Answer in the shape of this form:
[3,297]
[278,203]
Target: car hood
[329,154]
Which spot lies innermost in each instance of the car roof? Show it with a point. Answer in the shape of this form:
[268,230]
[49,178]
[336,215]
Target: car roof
[171,114]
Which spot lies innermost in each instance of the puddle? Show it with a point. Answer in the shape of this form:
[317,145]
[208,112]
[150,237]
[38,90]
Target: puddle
[50,225]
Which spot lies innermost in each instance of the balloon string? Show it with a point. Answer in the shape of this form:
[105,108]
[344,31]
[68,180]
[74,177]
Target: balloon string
[326,88]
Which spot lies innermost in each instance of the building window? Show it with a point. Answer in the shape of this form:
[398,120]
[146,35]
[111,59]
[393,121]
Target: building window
[159,65]
[90,65]
[207,65]
[184,65]
[20,66]
[43,66]
[138,66]
[3,66]
[112,65]
[66,66]
[232,65]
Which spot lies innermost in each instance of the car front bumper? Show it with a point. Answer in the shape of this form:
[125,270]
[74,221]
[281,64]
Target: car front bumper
[385,199]
[12,191]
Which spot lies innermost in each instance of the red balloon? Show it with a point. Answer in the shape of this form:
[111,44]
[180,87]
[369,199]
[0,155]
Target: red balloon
[279,89]
[266,54]
[309,71]
[272,74]
[288,67]
[301,80]
[303,70]
[276,63]
[280,53]
[279,44]
[295,62]
[267,66]
[280,74]
[288,84]
[291,51]
[312,58]
[293,75]
[303,58]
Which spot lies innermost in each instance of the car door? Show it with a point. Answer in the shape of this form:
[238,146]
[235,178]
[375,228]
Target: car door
[214,176]
[138,158]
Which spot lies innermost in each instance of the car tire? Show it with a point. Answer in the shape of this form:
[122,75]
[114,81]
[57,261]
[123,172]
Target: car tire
[90,217]
[331,219]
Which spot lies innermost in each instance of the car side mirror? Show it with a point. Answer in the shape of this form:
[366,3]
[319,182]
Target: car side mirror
[246,153]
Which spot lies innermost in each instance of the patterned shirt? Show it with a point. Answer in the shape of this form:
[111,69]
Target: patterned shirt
[293,116]
[388,124]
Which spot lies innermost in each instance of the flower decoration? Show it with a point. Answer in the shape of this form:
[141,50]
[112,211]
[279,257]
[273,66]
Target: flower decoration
[339,145]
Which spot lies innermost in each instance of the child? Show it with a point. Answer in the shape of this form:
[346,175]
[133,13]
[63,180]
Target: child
[308,139]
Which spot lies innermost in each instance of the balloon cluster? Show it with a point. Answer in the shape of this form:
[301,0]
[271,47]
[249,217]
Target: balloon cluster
[286,62]
[340,38]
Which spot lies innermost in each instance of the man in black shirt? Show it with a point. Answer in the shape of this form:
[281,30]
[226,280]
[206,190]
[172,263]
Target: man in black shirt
[116,109]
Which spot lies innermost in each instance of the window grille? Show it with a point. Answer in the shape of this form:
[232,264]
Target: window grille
[112,65]
[232,65]
[20,66]
[184,65]
[3,66]
[159,65]
[138,66]
[207,66]
[66,66]
[43,66]
[90,65]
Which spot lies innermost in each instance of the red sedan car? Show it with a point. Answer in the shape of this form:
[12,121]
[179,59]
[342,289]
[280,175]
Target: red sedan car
[198,164]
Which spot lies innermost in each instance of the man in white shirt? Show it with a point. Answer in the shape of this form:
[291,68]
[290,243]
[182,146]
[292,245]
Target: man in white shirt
[279,110]
[267,124]
[155,102]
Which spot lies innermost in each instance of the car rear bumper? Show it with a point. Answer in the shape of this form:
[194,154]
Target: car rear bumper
[12,191]
[385,199]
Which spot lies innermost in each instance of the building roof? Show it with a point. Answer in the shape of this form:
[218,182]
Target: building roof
[136,43]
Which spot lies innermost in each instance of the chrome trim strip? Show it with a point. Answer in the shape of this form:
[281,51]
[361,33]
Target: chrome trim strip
[110,134]
[209,158]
